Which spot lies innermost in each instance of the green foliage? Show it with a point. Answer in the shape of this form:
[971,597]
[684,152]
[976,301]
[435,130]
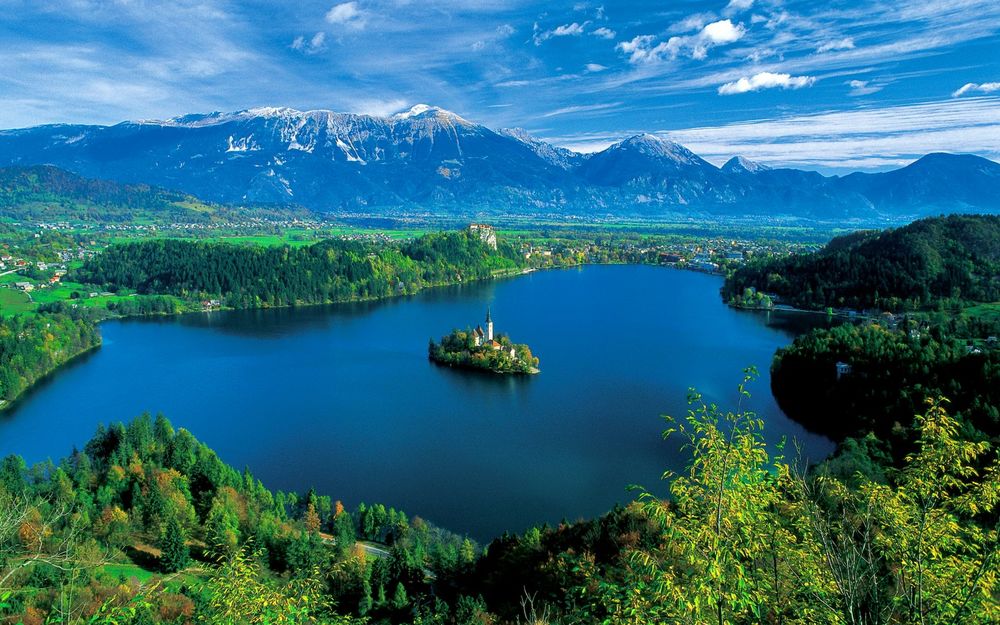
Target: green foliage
[131,482]
[329,271]
[176,555]
[32,347]
[892,374]
[931,263]
[726,552]
[744,537]
[50,193]
[459,349]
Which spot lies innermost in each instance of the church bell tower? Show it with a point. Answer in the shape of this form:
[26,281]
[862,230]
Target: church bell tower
[489,325]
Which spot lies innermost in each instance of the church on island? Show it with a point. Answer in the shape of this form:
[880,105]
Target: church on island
[484,338]
[483,348]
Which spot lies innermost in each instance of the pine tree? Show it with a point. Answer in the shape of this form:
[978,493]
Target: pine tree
[365,604]
[399,598]
[176,556]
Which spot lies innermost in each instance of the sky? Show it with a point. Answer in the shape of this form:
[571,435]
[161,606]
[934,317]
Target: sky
[831,85]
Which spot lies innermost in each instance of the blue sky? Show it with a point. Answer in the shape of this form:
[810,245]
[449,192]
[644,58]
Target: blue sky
[831,85]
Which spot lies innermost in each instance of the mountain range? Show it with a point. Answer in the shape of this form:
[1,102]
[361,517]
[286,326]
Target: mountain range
[429,160]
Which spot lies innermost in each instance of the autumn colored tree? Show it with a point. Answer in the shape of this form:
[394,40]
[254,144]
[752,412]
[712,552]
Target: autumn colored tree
[311,519]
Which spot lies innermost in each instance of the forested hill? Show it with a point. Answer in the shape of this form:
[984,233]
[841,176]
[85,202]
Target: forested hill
[329,271]
[939,261]
[147,526]
[48,192]
[145,493]
[31,347]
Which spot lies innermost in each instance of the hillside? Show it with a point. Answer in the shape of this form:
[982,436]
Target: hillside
[147,525]
[429,160]
[329,271]
[939,261]
[50,193]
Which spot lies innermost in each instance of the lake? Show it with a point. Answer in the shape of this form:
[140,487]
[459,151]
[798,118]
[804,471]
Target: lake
[343,398]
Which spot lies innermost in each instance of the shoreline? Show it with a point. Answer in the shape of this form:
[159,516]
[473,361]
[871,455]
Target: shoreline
[9,404]
[468,366]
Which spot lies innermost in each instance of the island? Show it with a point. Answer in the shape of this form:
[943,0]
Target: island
[481,349]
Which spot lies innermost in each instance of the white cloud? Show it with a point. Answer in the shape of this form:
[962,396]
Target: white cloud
[348,15]
[765,80]
[723,31]
[738,5]
[838,44]
[641,49]
[379,107]
[566,30]
[759,54]
[845,139]
[638,49]
[505,30]
[838,140]
[695,21]
[862,87]
[986,87]
[604,33]
[584,108]
[595,67]
[314,45]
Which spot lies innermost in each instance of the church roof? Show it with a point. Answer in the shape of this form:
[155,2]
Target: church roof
[488,318]
[478,331]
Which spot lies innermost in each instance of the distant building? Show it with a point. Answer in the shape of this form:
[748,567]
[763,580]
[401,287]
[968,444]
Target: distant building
[843,369]
[486,234]
[27,287]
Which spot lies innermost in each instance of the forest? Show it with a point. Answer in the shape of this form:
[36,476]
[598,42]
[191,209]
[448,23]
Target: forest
[31,347]
[245,276]
[892,373]
[46,192]
[936,263]
[748,535]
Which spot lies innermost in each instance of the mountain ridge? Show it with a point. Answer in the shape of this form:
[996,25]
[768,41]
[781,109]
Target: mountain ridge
[432,160]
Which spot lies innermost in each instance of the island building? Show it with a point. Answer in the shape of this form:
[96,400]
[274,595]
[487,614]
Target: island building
[484,338]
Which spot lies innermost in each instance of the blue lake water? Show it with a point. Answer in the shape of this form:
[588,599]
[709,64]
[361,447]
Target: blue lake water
[342,398]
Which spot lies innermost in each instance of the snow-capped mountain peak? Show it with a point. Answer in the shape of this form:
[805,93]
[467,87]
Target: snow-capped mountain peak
[651,145]
[739,164]
[560,157]
[426,111]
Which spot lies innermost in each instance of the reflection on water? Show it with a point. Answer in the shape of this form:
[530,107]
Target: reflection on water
[342,398]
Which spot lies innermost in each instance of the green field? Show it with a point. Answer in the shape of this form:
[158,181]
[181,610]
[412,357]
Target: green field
[989,313]
[130,571]
[13,302]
